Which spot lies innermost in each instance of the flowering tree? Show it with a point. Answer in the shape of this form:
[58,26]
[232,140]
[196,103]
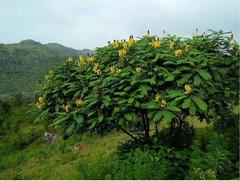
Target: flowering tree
[145,81]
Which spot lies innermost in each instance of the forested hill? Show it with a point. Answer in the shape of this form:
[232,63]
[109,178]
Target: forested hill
[23,63]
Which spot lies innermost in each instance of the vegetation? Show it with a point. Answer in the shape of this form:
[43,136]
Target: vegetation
[22,64]
[165,109]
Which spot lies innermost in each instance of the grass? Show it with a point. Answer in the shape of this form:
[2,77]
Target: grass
[59,161]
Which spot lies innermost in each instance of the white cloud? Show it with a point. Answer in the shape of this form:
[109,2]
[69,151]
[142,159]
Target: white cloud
[91,23]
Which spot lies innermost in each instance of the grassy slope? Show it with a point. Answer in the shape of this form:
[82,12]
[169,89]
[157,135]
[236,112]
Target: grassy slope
[58,161]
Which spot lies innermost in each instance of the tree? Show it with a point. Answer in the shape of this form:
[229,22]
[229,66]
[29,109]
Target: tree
[144,82]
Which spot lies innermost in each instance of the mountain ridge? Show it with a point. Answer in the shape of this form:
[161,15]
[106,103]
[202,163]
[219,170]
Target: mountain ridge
[23,63]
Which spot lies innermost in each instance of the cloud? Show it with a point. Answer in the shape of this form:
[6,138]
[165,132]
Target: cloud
[90,23]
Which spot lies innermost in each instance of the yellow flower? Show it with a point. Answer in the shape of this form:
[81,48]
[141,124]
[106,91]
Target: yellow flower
[95,68]
[38,105]
[164,31]
[46,76]
[229,54]
[227,88]
[187,47]
[171,44]
[148,34]
[51,72]
[139,69]
[157,97]
[109,43]
[112,69]
[156,43]
[118,70]
[40,99]
[115,43]
[90,58]
[124,44]
[70,59]
[99,71]
[81,61]
[67,108]
[79,101]
[122,53]
[163,104]
[178,53]
[130,40]
[188,89]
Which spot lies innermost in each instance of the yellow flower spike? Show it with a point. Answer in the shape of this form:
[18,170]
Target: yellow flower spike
[99,72]
[38,105]
[139,69]
[178,53]
[46,76]
[79,101]
[187,88]
[163,103]
[109,43]
[51,71]
[148,34]
[130,40]
[118,70]
[157,97]
[171,45]
[125,44]
[70,59]
[67,108]
[40,99]
[112,69]
[187,47]
[229,54]
[115,43]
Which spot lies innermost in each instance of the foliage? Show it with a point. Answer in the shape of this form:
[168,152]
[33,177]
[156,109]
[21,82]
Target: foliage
[143,82]
[23,63]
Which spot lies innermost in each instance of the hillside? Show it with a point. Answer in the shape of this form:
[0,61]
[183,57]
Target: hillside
[23,63]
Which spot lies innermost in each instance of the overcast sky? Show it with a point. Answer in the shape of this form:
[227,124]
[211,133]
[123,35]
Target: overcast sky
[92,23]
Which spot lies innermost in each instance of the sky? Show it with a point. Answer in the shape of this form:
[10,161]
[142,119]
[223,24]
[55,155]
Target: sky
[89,24]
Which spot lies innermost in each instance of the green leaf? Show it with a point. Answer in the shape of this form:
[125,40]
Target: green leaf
[158,116]
[121,121]
[200,103]
[70,128]
[93,124]
[169,63]
[192,109]
[106,103]
[59,120]
[197,80]
[79,119]
[116,109]
[204,74]
[173,109]
[179,99]
[184,79]
[151,81]
[84,90]
[130,100]
[167,116]
[186,103]
[128,116]
[100,118]
[169,78]
[174,93]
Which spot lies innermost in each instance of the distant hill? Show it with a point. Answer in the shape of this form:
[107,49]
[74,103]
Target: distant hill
[68,50]
[23,63]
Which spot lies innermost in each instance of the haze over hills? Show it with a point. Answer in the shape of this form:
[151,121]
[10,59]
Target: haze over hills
[23,63]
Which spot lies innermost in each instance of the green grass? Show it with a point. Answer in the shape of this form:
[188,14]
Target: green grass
[59,161]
